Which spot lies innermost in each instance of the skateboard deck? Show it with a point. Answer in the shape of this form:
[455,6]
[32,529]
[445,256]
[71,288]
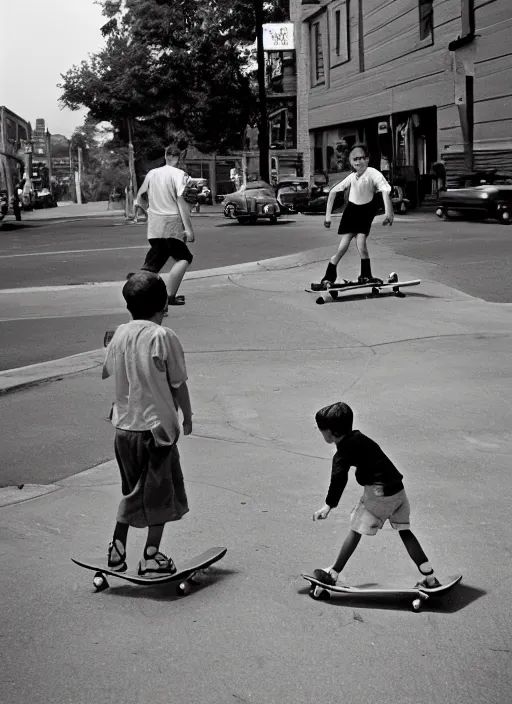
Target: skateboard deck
[183,576]
[418,594]
[392,283]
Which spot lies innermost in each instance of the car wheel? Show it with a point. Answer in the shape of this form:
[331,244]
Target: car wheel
[505,217]
[229,210]
[243,221]
[273,219]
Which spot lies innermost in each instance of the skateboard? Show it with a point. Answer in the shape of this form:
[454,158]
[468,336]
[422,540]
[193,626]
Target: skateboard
[320,591]
[184,576]
[335,289]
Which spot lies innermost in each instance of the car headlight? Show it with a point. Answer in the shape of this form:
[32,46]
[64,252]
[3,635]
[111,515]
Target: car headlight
[268,209]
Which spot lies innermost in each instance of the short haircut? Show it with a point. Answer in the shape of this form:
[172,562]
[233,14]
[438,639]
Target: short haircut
[145,294]
[172,150]
[338,418]
[359,145]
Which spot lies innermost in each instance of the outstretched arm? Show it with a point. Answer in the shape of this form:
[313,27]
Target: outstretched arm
[330,200]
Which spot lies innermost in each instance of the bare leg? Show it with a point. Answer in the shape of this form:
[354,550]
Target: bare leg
[176,276]
[362,247]
[418,556]
[342,248]
[348,547]
[154,537]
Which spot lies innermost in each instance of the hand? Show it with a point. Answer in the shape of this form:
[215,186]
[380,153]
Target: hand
[187,427]
[388,220]
[189,237]
[322,513]
[327,223]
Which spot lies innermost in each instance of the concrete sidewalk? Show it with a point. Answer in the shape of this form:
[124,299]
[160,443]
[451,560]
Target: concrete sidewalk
[428,376]
[70,211]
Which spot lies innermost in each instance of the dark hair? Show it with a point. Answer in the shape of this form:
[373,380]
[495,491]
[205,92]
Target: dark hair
[359,145]
[145,294]
[172,150]
[338,418]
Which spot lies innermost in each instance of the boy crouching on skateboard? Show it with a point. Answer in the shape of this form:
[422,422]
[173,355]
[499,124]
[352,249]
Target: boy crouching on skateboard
[383,498]
[148,365]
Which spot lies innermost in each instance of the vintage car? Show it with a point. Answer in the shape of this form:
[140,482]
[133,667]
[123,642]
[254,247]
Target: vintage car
[293,195]
[253,201]
[317,203]
[487,201]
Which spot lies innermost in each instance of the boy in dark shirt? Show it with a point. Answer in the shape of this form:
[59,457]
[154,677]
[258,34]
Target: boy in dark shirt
[383,499]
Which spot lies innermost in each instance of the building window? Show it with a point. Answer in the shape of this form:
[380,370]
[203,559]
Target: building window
[339,33]
[318,54]
[426,8]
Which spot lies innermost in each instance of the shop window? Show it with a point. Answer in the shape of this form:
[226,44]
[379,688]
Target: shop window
[317,53]
[339,32]
[426,10]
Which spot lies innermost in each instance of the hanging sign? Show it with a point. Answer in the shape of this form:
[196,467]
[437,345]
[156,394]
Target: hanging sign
[278,36]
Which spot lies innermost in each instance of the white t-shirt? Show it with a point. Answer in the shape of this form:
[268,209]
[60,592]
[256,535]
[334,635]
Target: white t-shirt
[145,359]
[364,187]
[164,186]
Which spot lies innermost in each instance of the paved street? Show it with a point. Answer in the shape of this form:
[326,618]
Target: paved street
[428,376]
[473,257]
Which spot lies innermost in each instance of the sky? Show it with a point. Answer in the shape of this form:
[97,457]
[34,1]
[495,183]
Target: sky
[39,40]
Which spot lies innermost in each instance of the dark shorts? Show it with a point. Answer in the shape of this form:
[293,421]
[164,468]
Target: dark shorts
[160,251]
[357,218]
[151,479]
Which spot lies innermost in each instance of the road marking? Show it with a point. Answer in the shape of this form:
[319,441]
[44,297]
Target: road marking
[72,251]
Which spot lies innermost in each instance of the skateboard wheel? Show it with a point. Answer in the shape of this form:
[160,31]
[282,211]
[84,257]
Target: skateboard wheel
[416,605]
[319,594]
[334,295]
[182,589]
[320,300]
[100,583]
[375,291]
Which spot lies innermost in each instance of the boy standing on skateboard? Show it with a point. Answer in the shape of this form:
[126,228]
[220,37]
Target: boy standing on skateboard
[360,210]
[169,222]
[148,366]
[383,498]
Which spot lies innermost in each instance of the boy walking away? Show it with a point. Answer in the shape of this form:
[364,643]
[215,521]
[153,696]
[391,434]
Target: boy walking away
[383,498]
[360,210]
[169,222]
[148,366]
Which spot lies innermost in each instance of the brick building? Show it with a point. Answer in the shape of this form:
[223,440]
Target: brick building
[417,80]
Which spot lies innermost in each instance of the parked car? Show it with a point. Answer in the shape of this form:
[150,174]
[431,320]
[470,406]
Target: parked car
[253,201]
[292,195]
[320,194]
[487,201]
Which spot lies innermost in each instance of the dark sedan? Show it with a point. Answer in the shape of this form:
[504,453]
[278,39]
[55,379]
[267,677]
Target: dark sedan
[488,201]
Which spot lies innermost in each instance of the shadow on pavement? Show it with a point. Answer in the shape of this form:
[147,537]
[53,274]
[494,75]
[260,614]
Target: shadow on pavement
[161,592]
[459,598]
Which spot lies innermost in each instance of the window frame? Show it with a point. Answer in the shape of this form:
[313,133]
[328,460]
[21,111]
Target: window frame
[339,43]
[316,39]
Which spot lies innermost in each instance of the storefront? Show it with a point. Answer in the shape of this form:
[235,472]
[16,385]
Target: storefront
[403,146]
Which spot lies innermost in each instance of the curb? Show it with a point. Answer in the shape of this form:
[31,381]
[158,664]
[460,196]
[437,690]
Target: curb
[34,374]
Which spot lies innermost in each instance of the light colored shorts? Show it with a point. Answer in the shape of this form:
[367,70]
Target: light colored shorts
[165,226]
[373,510]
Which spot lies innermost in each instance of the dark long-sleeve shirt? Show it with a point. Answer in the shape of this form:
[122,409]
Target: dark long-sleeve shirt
[372,465]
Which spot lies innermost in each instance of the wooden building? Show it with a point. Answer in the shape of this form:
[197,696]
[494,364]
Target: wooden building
[417,80]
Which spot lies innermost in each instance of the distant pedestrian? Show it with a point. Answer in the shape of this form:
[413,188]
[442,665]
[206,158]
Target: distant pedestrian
[169,222]
[360,188]
[384,498]
[148,366]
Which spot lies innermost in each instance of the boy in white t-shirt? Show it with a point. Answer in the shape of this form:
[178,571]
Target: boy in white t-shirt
[169,222]
[148,366]
[360,188]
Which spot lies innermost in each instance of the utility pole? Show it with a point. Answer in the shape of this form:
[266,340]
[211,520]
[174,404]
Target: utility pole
[78,178]
[263,138]
[132,186]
